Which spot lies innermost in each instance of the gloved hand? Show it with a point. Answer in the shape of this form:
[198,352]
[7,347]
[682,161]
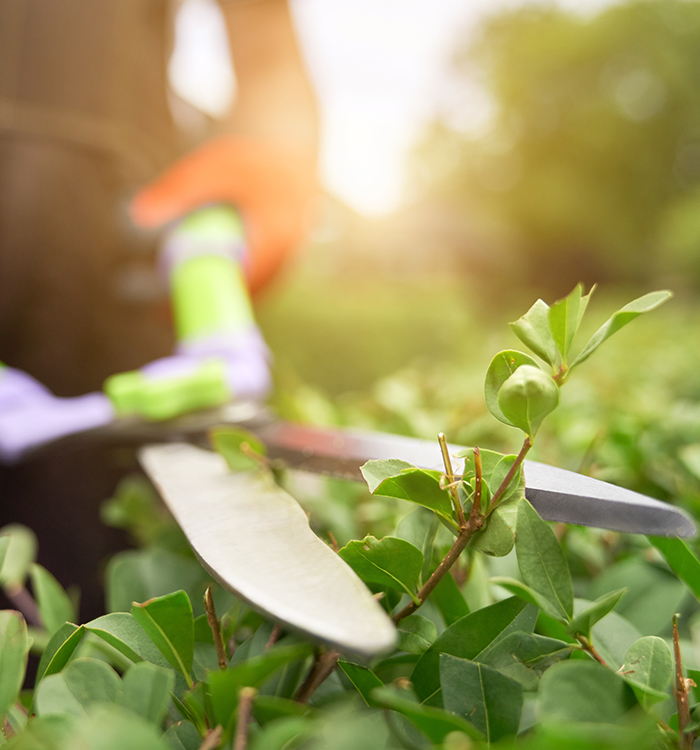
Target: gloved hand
[31,415]
[271,183]
[201,374]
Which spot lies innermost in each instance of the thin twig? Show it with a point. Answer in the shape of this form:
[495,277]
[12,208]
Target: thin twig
[274,636]
[334,542]
[213,621]
[213,739]
[478,483]
[509,476]
[686,739]
[589,648]
[473,525]
[323,666]
[25,603]
[245,709]
[454,494]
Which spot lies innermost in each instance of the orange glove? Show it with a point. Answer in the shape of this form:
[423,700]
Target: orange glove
[270,183]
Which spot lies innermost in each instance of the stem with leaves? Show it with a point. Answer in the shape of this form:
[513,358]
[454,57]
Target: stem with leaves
[686,739]
[213,621]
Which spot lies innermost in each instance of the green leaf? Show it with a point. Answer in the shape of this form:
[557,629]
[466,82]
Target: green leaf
[502,366]
[516,488]
[169,623]
[524,656]
[449,600]
[613,637]
[389,561]
[60,649]
[527,397]
[19,554]
[82,683]
[542,563]
[146,691]
[648,667]
[577,690]
[183,736]
[472,638]
[120,630]
[268,708]
[584,621]
[394,478]
[435,723]
[416,633]
[362,678]
[533,330]
[14,648]
[225,686]
[488,699]
[55,606]
[519,589]
[496,538]
[621,318]
[681,559]
[240,448]
[564,318]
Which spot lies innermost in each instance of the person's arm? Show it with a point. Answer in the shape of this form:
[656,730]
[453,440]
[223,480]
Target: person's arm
[274,98]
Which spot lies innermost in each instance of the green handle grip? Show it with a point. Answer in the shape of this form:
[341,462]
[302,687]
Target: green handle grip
[208,291]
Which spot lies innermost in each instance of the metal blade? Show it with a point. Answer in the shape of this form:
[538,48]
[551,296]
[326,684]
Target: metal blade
[255,539]
[557,494]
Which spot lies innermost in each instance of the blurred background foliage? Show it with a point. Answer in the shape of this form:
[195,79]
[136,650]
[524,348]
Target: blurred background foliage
[587,170]
[590,165]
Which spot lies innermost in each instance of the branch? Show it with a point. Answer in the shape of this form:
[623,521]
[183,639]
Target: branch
[509,476]
[215,629]
[449,474]
[323,667]
[245,708]
[686,739]
[589,648]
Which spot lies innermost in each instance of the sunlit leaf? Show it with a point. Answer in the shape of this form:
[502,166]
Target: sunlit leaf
[564,318]
[621,318]
[389,561]
[527,397]
[394,478]
[533,330]
[502,366]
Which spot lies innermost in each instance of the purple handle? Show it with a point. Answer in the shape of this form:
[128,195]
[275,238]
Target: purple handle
[31,415]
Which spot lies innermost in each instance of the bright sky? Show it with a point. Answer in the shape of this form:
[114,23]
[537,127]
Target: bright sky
[381,69]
